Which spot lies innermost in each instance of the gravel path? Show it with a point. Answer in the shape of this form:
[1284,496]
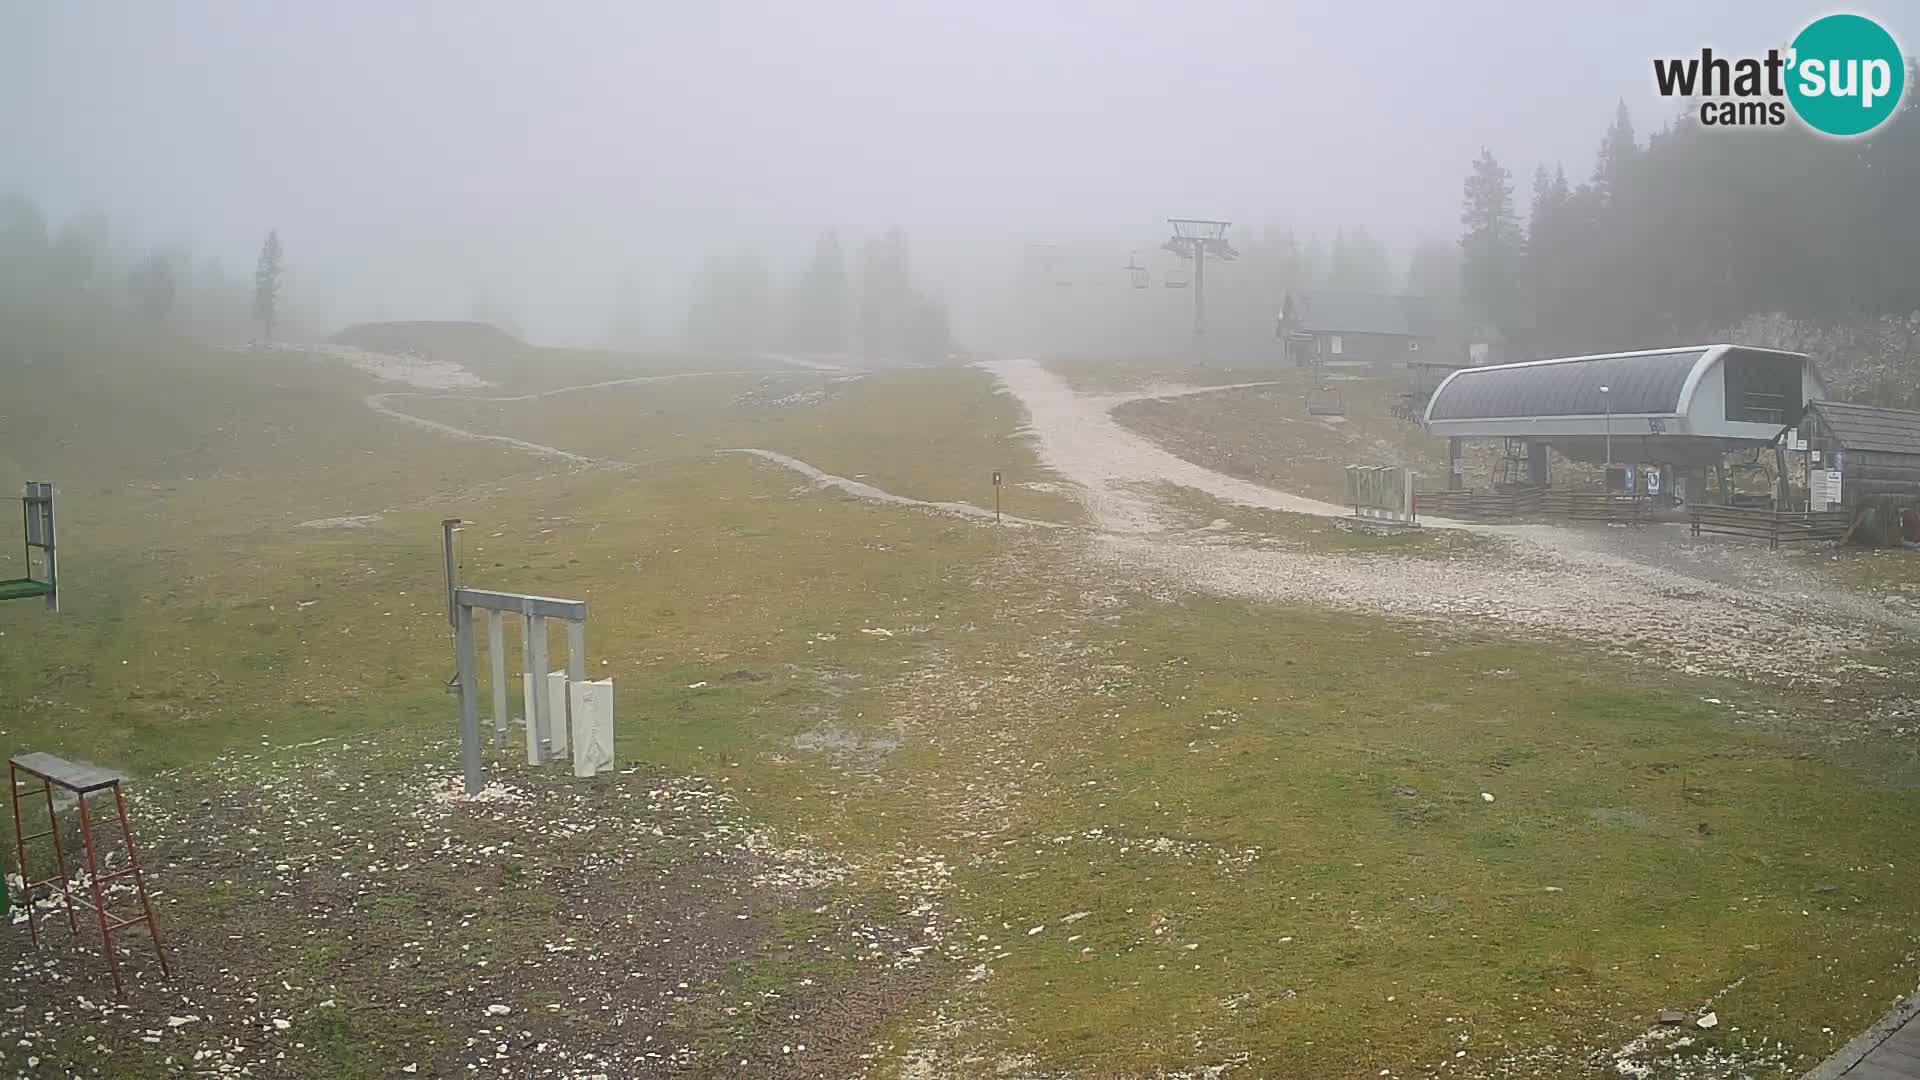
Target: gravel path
[1700,605]
[1079,439]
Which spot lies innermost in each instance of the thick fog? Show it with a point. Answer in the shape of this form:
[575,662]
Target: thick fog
[448,160]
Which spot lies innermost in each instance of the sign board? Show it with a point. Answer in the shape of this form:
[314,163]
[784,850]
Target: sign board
[1626,479]
[996,478]
[1656,426]
[1824,488]
[1653,481]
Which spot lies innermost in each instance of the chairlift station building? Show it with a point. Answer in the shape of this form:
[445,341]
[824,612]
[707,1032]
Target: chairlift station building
[1684,407]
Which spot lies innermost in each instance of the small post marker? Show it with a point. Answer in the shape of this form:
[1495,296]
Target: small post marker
[996,496]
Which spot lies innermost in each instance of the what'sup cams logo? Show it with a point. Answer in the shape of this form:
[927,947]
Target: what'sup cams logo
[1844,75]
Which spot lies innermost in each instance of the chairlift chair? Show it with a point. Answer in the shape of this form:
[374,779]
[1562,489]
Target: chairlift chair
[1177,277]
[1134,270]
[36,512]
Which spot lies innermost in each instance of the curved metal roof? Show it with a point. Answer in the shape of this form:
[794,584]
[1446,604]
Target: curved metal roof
[1638,383]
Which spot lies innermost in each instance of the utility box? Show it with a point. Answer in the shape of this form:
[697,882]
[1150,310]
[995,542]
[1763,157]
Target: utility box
[592,712]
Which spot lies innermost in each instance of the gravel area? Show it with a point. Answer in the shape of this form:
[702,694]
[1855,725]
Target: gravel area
[1706,606]
[1078,438]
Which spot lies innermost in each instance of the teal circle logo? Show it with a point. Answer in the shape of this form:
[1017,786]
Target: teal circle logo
[1847,75]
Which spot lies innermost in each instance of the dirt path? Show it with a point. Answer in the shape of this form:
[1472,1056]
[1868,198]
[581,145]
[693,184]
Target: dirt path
[1703,607]
[1078,438]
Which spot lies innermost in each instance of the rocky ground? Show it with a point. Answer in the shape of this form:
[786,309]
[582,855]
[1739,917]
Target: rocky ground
[327,902]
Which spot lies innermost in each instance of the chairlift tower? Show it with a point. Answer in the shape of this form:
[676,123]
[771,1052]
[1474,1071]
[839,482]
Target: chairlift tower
[1195,239]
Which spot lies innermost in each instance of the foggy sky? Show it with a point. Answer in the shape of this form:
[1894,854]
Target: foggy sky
[412,152]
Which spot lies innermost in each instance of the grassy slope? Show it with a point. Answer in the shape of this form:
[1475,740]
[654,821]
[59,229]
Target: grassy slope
[1266,435]
[1639,854]
[1349,752]
[935,434]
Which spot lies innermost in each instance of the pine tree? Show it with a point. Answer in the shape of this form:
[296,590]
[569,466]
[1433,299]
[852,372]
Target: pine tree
[1548,255]
[886,295]
[1433,271]
[1359,263]
[819,322]
[266,285]
[23,248]
[1491,246]
[77,259]
[731,309]
[1618,149]
[151,285]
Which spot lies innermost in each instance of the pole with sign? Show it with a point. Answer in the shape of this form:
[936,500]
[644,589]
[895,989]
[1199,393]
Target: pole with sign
[996,496]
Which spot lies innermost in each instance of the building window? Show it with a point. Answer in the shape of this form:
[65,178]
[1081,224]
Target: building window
[1413,346]
[1333,344]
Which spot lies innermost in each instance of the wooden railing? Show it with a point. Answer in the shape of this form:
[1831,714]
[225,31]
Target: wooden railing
[1773,526]
[1479,505]
[1536,502]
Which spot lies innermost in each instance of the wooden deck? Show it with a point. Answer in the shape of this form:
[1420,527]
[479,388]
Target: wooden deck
[1889,1050]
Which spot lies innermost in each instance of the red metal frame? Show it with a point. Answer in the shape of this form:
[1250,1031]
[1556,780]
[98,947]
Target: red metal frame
[96,882]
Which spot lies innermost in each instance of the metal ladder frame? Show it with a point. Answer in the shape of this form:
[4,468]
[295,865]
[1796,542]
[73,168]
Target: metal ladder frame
[96,882]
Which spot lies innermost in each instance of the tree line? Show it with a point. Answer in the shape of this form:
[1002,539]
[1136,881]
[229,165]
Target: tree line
[82,267]
[874,309]
[1775,237]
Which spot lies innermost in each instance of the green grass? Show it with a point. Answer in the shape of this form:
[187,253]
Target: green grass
[1267,436]
[1305,532]
[934,434]
[1314,776]
[1639,854]
[1875,572]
